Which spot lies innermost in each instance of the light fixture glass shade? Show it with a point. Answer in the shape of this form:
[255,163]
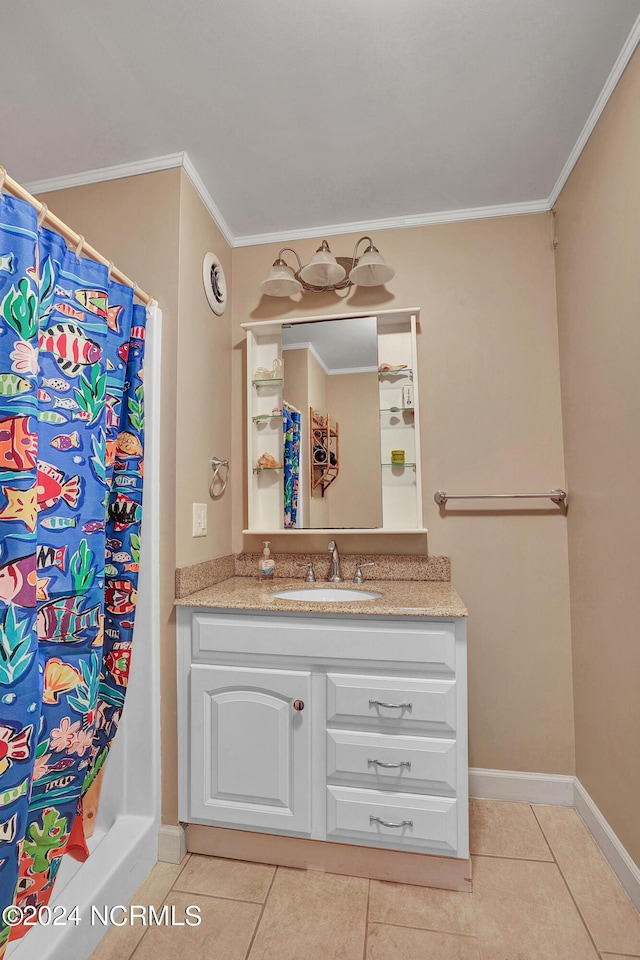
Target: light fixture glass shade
[323,270]
[372,270]
[280,281]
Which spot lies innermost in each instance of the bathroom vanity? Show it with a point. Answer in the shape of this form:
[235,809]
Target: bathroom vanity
[346,726]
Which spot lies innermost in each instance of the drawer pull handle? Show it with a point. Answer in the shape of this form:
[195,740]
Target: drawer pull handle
[390,706]
[390,823]
[383,763]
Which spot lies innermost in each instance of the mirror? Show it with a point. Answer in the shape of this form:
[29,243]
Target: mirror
[333,424]
[330,374]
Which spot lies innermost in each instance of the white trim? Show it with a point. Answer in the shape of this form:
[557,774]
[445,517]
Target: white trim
[611,82]
[208,200]
[122,170]
[390,223]
[182,159]
[521,787]
[172,843]
[100,174]
[612,849]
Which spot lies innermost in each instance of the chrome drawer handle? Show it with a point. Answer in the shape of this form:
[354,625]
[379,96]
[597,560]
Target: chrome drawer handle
[390,706]
[382,763]
[390,823]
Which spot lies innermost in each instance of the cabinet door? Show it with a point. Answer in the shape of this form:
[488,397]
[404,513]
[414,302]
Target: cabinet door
[249,748]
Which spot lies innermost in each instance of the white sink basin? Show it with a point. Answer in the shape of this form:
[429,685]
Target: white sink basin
[326,595]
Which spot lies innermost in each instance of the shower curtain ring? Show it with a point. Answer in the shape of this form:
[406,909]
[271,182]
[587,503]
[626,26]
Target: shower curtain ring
[42,216]
[217,465]
[110,270]
[79,246]
[3,177]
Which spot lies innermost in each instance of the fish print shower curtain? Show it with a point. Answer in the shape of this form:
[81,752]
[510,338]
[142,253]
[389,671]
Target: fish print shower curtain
[71,465]
[291,459]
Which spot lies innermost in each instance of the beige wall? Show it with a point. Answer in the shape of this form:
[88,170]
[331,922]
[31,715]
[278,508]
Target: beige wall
[491,422]
[355,496]
[204,379]
[598,284]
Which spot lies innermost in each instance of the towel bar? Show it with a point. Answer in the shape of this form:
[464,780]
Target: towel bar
[558,496]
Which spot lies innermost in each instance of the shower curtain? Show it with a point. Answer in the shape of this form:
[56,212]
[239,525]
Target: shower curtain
[71,466]
[291,459]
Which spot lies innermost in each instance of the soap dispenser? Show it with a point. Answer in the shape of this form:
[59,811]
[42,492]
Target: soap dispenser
[267,566]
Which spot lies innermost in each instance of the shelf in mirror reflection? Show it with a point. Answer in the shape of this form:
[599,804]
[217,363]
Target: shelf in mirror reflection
[398,410]
[395,374]
[398,466]
[267,418]
[263,469]
[265,383]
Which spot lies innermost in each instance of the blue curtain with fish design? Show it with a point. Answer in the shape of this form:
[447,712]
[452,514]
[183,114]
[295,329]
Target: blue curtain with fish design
[291,421]
[71,465]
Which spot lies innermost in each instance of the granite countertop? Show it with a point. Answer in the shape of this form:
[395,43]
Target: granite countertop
[400,598]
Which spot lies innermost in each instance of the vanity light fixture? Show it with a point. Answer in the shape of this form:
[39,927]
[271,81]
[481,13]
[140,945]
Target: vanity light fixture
[326,272]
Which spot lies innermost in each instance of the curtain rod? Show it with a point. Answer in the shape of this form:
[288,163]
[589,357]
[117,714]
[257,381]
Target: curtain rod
[45,215]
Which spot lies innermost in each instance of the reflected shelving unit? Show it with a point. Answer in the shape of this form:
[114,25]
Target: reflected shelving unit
[325,450]
[264,429]
[399,424]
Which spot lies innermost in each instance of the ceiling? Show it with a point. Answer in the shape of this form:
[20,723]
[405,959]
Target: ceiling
[340,348]
[302,115]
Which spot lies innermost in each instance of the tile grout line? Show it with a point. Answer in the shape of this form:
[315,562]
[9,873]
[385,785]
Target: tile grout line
[259,921]
[183,867]
[217,896]
[162,903]
[544,836]
[410,926]
[164,900]
[366,922]
[497,856]
[560,871]
[630,956]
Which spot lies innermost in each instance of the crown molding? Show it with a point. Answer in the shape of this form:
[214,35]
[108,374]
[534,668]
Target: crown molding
[117,172]
[611,82]
[208,200]
[391,223]
[122,170]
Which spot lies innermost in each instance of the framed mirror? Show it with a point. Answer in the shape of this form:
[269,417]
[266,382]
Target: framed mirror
[333,425]
[330,375]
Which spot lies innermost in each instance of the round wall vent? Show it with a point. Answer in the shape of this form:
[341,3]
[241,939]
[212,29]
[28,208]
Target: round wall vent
[215,285]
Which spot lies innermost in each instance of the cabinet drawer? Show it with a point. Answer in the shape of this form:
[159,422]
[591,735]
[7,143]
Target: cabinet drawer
[411,704]
[429,646]
[407,821]
[412,763]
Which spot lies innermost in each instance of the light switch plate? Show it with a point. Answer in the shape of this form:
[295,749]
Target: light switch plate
[199,520]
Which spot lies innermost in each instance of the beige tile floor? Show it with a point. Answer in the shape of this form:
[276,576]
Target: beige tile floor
[542,891]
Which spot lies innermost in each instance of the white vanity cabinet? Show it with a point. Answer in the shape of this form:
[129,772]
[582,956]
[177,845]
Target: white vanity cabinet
[345,729]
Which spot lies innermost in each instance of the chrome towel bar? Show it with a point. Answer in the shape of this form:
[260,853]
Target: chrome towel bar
[558,496]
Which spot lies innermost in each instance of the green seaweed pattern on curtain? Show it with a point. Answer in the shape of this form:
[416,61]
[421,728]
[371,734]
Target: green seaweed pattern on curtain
[71,465]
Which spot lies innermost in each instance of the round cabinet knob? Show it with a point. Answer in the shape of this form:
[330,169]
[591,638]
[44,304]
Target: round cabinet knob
[298,704]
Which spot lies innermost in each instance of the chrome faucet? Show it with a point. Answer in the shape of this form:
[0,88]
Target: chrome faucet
[335,574]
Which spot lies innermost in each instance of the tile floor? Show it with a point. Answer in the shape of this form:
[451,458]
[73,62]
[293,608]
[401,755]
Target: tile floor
[542,891]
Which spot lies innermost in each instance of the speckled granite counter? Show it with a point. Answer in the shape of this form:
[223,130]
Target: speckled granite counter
[400,598]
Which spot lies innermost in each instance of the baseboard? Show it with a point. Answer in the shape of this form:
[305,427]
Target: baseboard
[612,849]
[172,843]
[397,866]
[522,787]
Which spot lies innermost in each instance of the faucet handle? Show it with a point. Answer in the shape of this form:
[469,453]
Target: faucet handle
[310,577]
[357,577]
